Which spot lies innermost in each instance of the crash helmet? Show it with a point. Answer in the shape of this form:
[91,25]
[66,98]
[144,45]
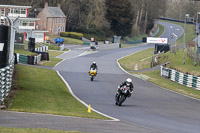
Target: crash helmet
[94,63]
[128,81]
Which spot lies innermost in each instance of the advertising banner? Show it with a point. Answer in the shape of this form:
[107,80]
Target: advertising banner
[157,40]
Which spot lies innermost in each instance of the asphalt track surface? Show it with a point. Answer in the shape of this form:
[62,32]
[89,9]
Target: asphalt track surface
[150,108]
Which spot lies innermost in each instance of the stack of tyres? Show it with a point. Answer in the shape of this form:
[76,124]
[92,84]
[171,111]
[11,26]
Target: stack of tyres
[4,45]
[44,55]
[31,60]
[31,44]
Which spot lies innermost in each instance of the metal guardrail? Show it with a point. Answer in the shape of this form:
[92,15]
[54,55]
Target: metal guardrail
[140,41]
[175,20]
[181,78]
[6,74]
[28,59]
[133,42]
[62,47]
[42,49]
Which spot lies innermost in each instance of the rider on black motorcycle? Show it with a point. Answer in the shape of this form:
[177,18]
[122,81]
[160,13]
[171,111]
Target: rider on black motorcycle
[129,84]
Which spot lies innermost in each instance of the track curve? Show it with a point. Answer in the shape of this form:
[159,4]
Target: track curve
[150,105]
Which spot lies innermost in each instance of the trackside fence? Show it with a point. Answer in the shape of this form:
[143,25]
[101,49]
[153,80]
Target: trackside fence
[181,78]
[6,74]
[25,59]
[42,49]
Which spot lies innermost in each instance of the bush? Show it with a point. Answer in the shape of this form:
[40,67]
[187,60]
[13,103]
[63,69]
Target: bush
[72,35]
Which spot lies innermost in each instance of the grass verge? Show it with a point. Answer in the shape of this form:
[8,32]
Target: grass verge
[31,130]
[189,35]
[161,30]
[128,63]
[67,40]
[137,61]
[25,52]
[53,58]
[42,91]
[154,77]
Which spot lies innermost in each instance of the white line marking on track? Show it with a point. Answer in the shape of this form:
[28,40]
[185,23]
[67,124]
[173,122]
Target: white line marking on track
[70,90]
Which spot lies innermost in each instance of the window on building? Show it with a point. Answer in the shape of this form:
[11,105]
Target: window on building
[55,29]
[16,11]
[2,12]
[2,22]
[24,23]
[10,10]
[31,23]
[23,11]
[56,20]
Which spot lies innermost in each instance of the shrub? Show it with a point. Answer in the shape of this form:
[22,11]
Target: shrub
[72,35]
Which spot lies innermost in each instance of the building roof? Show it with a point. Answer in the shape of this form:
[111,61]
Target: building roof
[56,12]
[30,19]
[15,6]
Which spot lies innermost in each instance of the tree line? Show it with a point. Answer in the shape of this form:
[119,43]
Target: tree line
[105,17]
[178,8]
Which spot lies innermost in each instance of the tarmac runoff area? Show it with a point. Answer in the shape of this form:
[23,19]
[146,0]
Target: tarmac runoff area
[56,122]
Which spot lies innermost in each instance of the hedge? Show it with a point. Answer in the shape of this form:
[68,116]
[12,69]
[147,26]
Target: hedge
[72,35]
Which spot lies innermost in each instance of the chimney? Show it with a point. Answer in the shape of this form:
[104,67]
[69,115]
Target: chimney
[46,5]
[58,5]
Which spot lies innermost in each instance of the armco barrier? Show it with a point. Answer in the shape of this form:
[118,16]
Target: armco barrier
[175,20]
[6,74]
[140,41]
[62,47]
[42,49]
[133,42]
[28,59]
[181,78]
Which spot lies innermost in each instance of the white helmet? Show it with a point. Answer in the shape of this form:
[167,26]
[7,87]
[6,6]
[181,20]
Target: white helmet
[128,81]
[94,62]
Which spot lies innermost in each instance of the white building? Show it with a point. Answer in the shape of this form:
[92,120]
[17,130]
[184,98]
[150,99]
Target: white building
[27,26]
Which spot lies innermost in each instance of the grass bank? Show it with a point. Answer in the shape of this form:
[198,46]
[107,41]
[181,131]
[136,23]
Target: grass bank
[137,61]
[142,60]
[189,34]
[161,30]
[53,60]
[42,91]
[31,130]
[67,40]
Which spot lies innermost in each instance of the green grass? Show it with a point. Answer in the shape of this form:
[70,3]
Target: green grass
[154,77]
[176,62]
[137,61]
[135,38]
[52,47]
[161,30]
[31,130]
[67,40]
[189,35]
[42,91]
[53,60]
[129,63]
[24,52]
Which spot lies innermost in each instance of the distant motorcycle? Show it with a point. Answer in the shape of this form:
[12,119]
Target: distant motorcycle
[121,95]
[93,73]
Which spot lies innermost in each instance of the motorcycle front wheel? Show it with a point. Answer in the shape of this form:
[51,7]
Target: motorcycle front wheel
[122,98]
[92,78]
